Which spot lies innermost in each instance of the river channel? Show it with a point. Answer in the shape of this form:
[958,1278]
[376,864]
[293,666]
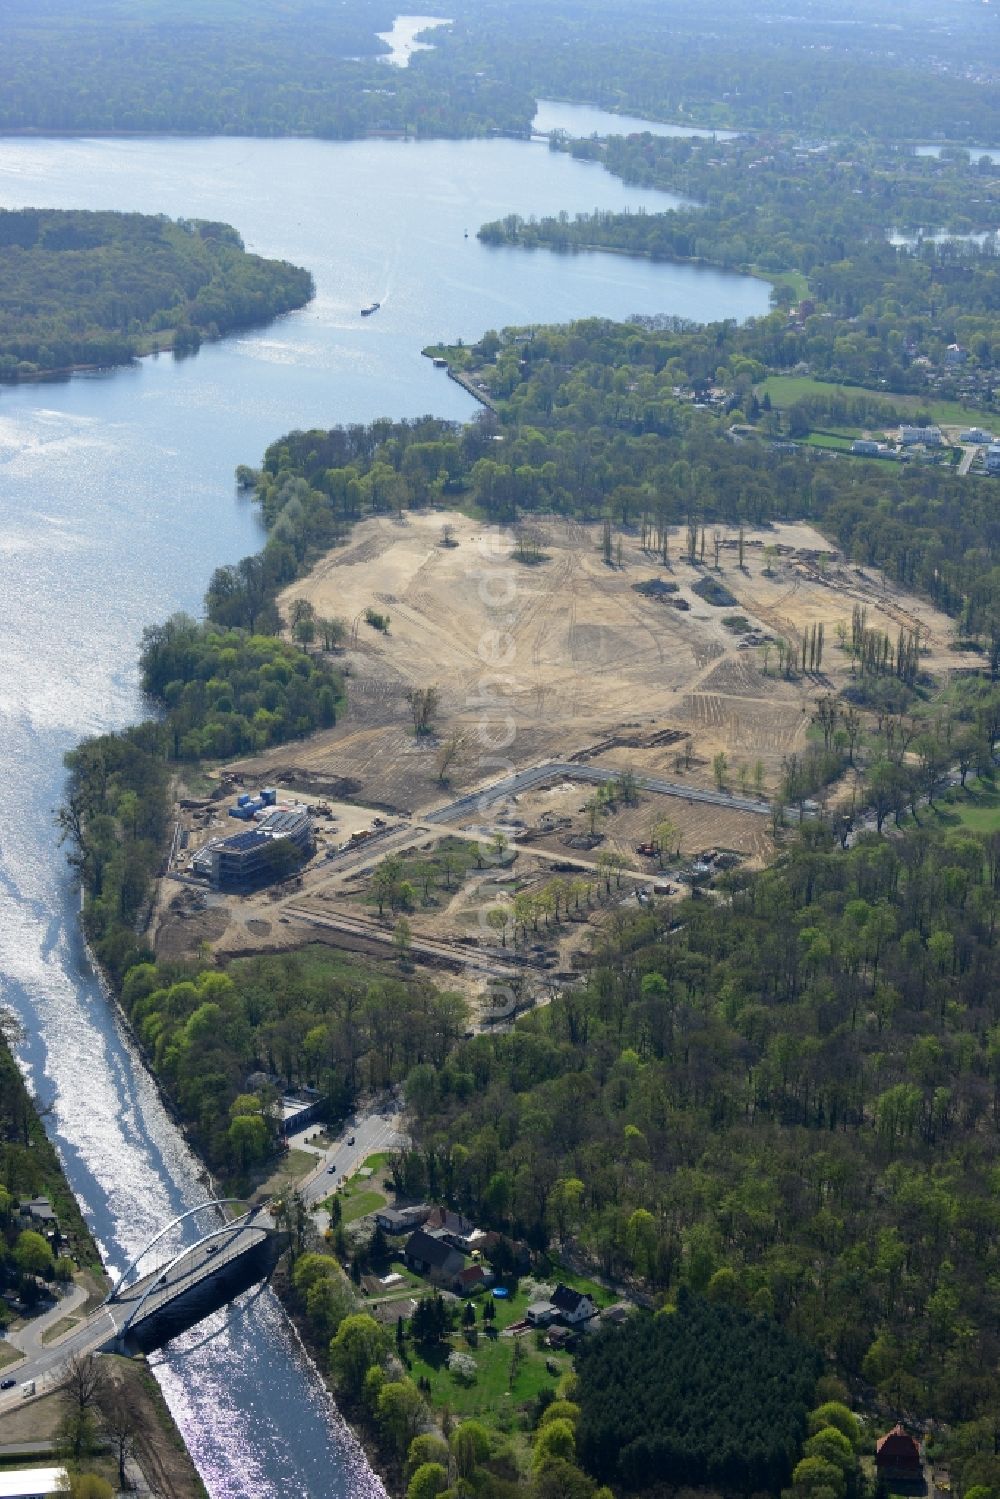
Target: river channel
[117,499]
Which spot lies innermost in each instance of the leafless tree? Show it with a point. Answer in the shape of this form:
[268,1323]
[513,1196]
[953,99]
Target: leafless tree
[423,703]
[121,1424]
[84,1379]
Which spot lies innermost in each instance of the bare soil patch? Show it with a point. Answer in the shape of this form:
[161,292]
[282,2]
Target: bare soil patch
[549,660]
[571,659]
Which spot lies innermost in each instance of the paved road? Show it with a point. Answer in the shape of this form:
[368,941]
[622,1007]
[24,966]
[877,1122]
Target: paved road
[230,1243]
[29,1338]
[551,770]
[372,1131]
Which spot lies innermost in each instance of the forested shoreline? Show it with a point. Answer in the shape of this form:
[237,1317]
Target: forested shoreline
[89,289]
[244,70]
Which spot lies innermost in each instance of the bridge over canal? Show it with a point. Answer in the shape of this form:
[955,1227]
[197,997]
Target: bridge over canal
[142,1311]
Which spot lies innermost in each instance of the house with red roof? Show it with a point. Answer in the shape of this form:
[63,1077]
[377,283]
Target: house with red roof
[897,1455]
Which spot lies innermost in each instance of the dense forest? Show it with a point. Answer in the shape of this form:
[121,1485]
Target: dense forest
[226,1044]
[812,69]
[235,68]
[83,288]
[788,1102]
[312,69]
[709,1396]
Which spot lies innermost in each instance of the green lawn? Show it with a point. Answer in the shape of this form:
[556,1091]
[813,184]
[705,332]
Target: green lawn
[797,283]
[502,1385]
[977,808]
[297,1163]
[321,963]
[829,440]
[785,390]
[495,1396]
[357,1201]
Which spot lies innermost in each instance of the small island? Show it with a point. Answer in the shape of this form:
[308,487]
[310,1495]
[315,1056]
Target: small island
[84,289]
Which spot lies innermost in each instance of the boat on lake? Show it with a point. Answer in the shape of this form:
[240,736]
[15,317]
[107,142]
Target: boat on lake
[372,307]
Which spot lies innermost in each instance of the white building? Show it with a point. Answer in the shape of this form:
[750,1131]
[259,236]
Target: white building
[929,436]
[33,1483]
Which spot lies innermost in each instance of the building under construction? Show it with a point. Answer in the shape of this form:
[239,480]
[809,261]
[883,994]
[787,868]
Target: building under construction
[279,842]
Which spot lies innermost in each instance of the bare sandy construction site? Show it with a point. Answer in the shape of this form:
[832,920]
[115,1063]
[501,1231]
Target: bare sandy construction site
[562,658]
[550,659]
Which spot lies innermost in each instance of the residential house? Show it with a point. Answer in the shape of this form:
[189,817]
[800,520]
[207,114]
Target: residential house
[540,1313]
[993,458]
[573,1306]
[40,1209]
[389,1312]
[897,1455]
[435,1259]
[472,1279]
[929,436]
[39,1213]
[454,1229]
[866,445]
[401,1220]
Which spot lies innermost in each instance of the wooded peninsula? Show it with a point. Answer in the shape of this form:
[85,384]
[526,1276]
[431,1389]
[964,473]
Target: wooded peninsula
[94,289]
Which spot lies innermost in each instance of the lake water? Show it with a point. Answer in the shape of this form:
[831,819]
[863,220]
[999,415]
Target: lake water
[117,498]
[582,120]
[402,39]
[993,152]
[941,237]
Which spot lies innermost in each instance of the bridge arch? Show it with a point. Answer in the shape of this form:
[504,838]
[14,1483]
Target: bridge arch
[235,1227]
[214,1202]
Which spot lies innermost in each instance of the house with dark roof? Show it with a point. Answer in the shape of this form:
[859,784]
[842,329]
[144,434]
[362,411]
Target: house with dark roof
[573,1306]
[39,1208]
[433,1258]
[897,1455]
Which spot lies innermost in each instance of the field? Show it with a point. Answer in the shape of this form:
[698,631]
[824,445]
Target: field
[785,390]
